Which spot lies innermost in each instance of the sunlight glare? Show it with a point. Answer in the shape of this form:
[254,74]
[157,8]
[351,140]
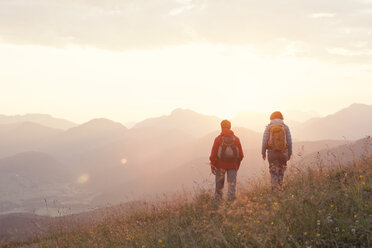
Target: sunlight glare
[83,178]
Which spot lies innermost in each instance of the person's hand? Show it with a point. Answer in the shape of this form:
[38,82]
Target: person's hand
[264,157]
[213,170]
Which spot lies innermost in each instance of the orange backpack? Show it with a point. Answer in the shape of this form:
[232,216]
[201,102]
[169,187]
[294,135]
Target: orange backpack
[277,138]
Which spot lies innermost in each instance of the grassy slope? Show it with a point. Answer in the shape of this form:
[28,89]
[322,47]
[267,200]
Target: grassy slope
[329,208]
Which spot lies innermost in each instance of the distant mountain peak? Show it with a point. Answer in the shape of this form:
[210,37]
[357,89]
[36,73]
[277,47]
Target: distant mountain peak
[359,105]
[354,108]
[186,120]
[93,132]
[37,115]
[102,123]
[188,112]
[178,111]
[353,122]
[42,119]
[32,125]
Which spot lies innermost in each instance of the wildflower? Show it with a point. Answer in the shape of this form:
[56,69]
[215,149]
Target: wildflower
[355,216]
[318,234]
[272,223]
[361,176]
[332,205]
[329,218]
[337,229]
[275,204]
[292,196]
[318,222]
[160,241]
[353,230]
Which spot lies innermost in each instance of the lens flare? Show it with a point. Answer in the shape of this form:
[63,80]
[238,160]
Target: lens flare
[83,178]
[124,161]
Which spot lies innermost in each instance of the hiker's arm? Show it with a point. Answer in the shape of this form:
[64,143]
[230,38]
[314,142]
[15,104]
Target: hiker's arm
[214,151]
[264,142]
[240,151]
[289,142]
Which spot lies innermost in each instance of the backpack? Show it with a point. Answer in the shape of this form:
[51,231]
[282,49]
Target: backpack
[228,151]
[277,138]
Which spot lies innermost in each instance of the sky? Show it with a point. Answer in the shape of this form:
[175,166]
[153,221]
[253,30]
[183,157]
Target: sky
[131,59]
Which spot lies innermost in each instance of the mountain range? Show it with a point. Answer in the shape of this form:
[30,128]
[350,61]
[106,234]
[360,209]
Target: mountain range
[103,162]
[351,123]
[42,119]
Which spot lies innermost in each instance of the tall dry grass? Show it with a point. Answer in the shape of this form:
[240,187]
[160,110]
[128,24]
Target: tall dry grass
[321,207]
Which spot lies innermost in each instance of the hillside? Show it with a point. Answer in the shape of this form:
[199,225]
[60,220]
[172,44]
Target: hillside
[154,156]
[328,208]
[347,153]
[187,165]
[24,176]
[351,123]
[86,136]
[23,137]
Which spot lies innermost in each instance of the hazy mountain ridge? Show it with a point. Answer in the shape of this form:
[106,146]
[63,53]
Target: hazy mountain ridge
[257,121]
[111,158]
[42,119]
[186,167]
[350,152]
[188,121]
[353,122]
[86,136]
[23,137]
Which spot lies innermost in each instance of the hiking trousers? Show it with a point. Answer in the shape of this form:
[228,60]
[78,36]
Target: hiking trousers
[277,166]
[231,183]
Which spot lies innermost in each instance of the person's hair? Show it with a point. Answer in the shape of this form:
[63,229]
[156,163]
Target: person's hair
[226,124]
[276,115]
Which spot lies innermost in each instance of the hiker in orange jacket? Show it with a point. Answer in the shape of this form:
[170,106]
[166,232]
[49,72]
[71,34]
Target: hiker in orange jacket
[225,158]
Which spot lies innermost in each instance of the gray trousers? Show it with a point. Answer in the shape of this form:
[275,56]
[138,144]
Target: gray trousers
[231,183]
[277,165]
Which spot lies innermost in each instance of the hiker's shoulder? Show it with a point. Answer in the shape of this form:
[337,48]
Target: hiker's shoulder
[236,138]
[219,137]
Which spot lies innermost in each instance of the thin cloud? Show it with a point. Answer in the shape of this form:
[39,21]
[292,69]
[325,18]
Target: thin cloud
[309,28]
[322,15]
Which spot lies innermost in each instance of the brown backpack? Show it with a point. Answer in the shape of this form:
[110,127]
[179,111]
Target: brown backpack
[277,138]
[228,151]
